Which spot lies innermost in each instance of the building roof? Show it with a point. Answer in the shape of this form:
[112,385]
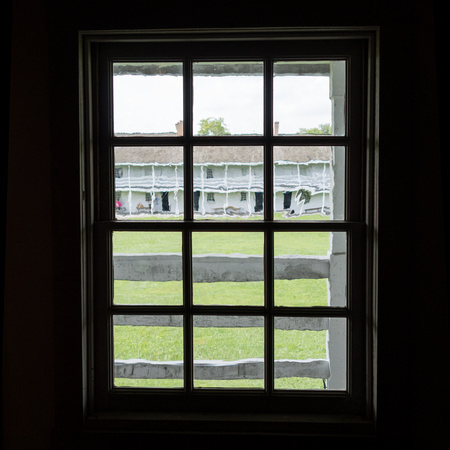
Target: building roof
[219,154]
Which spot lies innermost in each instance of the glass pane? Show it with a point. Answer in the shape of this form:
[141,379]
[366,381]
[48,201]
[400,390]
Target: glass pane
[310,353]
[147,268]
[310,269]
[148,98]
[309,183]
[228,183]
[149,183]
[228,98]
[148,351]
[228,352]
[228,268]
[309,98]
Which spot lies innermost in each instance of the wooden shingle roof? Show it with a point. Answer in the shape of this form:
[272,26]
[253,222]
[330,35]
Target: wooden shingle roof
[219,154]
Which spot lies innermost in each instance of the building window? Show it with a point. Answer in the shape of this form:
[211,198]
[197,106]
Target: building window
[270,314]
[209,173]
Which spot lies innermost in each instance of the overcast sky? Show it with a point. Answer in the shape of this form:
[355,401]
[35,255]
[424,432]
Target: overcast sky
[153,104]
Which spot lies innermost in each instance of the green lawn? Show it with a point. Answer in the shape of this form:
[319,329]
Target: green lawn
[165,343]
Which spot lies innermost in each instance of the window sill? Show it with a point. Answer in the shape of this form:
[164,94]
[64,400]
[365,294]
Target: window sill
[255,424]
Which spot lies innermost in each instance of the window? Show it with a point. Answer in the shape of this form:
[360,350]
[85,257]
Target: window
[263,306]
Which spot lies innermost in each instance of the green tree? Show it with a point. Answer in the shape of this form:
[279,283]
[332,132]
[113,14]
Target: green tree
[324,128]
[213,127]
[305,195]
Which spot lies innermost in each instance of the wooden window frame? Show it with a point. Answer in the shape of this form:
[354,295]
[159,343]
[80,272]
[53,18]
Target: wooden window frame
[350,411]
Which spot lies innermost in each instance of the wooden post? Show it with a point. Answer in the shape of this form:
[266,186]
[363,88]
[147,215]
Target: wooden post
[337,333]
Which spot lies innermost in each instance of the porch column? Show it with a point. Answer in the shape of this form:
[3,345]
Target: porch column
[130,195]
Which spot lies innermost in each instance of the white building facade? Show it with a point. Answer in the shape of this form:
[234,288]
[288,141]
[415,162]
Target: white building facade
[227,180]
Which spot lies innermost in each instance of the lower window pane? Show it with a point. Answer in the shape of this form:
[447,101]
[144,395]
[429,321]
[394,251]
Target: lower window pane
[228,268]
[310,353]
[310,269]
[147,268]
[228,352]
[148,351]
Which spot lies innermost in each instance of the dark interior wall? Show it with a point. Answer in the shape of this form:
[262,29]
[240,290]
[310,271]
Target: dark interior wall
[42,377]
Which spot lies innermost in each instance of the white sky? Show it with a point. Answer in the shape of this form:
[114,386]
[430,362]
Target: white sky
[153,104]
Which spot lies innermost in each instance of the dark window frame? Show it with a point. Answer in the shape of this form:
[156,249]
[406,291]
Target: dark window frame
[357,403]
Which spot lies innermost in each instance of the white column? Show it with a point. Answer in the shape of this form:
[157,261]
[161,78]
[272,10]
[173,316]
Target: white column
[249,200]
[226,187]
[202,184]
[175,192]
[130,195]
[153,189]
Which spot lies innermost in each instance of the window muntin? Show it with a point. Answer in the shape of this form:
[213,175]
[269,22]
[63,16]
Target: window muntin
[350,222]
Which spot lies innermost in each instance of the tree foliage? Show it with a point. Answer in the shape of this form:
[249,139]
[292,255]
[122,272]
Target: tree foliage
[213,127]
[324,128]
[304,195]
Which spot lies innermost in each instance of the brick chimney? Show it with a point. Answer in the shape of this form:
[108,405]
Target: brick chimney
[277,124]
[179,127]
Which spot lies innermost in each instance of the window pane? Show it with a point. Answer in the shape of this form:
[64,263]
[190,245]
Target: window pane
[148,98]
[147,268]
[308,351]
[228,98]
[309,98]
[309,183]
[148,351]
[228,183]
[310,269]
[228,351]
[228,268]
[149,183]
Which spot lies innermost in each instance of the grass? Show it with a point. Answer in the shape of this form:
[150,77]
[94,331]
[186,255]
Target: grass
[229,344]
[165,343]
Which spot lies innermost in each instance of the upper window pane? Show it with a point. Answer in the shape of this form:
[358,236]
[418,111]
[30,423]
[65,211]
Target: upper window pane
[148,183]
[148,98]
[309,182]
[309,98]
[228,183]
[228,98]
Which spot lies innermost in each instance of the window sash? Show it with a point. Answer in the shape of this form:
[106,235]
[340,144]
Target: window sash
[355,225]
